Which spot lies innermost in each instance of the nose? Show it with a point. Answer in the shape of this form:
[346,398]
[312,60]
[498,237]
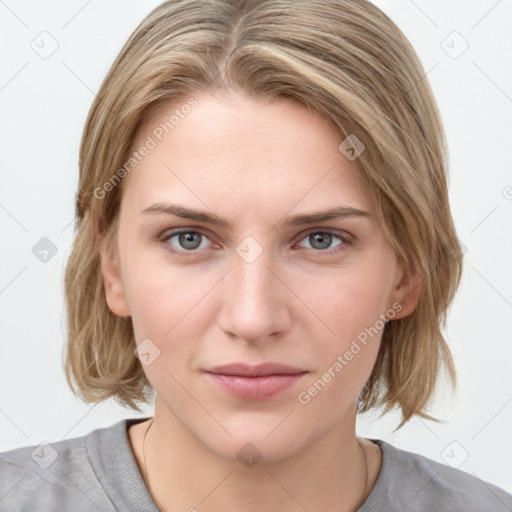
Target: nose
[256,303]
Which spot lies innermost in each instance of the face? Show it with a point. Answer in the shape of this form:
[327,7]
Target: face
[264,285]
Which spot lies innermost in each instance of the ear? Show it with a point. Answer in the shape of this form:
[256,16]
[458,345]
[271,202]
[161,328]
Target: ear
[406,290]
[112,280]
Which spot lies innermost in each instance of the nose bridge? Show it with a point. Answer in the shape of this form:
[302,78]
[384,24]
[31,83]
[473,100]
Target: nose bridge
[253,279]
[254,304]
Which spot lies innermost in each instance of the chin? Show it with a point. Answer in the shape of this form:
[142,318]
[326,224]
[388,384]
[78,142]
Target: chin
[255,441]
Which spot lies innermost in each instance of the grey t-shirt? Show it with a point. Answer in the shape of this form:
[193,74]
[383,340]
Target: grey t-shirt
[98,471]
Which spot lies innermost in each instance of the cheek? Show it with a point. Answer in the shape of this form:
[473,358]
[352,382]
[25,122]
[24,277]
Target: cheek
[159,293]
[164,304]
[343,362]
[346,333]
[346,301]
[170,305]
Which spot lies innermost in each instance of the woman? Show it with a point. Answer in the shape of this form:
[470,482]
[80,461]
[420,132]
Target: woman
[265,246]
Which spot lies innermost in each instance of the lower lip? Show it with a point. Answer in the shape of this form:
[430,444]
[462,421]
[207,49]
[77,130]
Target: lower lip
[255,388]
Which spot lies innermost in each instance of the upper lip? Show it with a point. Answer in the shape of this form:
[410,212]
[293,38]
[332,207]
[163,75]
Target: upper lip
[246,370]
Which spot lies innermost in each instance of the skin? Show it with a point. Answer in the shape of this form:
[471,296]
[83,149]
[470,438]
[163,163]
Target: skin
[252,162]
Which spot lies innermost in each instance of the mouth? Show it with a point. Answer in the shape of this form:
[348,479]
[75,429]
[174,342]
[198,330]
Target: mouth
[260,382]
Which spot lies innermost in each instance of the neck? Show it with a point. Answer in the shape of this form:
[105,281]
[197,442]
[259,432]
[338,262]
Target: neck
[334,473]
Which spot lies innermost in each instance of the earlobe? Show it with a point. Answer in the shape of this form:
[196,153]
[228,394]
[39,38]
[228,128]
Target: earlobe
[112,281]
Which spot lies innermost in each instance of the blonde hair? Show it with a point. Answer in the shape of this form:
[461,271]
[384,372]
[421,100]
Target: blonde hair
[346,61]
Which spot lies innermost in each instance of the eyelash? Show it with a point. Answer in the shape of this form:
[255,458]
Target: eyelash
[188,254]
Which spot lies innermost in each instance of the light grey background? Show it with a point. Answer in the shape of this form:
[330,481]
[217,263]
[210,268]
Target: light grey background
[44,103]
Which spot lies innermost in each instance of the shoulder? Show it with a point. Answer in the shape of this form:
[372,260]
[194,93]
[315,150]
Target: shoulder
[412,482]
[55,476]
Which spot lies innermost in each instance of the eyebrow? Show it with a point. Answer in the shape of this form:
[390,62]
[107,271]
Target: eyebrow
[339,212]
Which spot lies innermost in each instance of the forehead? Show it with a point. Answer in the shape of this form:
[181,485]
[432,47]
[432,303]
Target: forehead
[228,149]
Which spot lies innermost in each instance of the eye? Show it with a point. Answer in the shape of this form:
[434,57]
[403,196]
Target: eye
[186,243]
[321,241]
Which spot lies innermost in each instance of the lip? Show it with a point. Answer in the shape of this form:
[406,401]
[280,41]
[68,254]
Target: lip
[258,370]
[259,382]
